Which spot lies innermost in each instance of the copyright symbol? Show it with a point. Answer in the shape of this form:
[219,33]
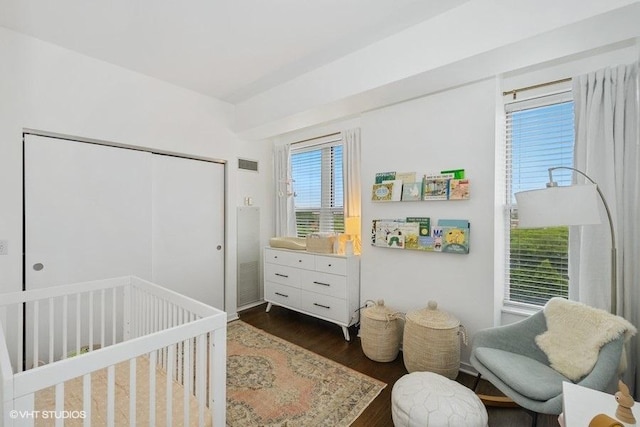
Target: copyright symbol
[13,414]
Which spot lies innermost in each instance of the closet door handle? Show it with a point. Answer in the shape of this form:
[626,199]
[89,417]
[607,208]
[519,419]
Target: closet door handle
[320,305]
[322,284]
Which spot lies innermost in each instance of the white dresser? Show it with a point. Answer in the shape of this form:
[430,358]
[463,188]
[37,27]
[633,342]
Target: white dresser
[325,286]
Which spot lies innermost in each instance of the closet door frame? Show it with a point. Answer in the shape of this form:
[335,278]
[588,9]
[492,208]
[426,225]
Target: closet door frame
[223,163]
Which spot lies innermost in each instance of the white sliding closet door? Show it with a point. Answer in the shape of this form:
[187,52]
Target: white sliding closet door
[188,227]
[87,211]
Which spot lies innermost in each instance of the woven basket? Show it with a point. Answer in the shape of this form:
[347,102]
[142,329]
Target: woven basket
[321,243]
[431,341]
[380,332]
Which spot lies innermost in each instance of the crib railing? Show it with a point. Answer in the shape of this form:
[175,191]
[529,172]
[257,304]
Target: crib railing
[123,318]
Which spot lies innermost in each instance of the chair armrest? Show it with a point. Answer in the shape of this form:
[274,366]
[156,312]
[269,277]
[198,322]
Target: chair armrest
[516,338]
[604,374]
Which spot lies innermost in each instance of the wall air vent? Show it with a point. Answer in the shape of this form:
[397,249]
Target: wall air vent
[248,165]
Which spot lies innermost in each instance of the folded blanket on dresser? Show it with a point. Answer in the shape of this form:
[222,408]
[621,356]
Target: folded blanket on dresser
[575,333]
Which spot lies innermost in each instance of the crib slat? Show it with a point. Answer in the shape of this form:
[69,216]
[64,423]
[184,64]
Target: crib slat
[59,403]
[51,329]
[186,379]
[78,324]
[152,388]
[19,344]
[126,313]
[36,338]
[65,325]
[172,361]
[132,392]
[200,377]
[102,319]
[114,315]
[86,400]
[91,342]
[111,409]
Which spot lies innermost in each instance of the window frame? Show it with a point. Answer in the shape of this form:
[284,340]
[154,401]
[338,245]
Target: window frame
[510,208]
[326,214]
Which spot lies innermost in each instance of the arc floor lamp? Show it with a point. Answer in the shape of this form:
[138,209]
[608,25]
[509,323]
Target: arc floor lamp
[567,205]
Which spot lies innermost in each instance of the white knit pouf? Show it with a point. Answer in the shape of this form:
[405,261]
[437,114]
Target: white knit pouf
[424,399]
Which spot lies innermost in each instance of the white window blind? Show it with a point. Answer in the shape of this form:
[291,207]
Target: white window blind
[318,188]
[539,135]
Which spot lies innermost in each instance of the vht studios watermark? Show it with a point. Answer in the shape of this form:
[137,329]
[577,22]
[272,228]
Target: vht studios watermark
[14,414]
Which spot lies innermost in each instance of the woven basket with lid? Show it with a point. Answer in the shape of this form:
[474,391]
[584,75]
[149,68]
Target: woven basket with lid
[380,332]
[431,341]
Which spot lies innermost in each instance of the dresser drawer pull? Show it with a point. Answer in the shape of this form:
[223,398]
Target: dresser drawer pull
[320,305]
[320,283]
[282,295]
[281,275]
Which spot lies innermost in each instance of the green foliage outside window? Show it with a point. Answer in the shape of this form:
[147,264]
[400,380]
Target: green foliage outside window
[309,222]
[539,264]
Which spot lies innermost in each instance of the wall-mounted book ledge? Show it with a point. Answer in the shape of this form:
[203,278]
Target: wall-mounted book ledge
[417,233]
[403,186]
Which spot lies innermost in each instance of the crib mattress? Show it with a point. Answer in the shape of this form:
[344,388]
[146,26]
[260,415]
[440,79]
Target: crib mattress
[73,391]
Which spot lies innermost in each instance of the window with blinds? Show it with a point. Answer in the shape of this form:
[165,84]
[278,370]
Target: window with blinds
[540,134]
[318,188]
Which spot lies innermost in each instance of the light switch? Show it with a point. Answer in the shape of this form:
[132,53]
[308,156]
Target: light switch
[4,247]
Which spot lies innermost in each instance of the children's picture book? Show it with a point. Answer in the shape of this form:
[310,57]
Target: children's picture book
[436,187]
[396,189]
[388,234]
[457,173]
[454,235]
[382,192]
[436,237]
[411,191]
[410,231]
[406,177]
[424,224]
[459,189]
[384,176]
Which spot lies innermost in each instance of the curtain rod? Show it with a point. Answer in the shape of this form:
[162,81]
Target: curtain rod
[317,140]
[515,91]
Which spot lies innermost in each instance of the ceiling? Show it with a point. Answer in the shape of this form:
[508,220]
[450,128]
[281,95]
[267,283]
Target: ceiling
[228,49]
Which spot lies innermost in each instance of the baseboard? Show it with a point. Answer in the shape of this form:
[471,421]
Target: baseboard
[251,305]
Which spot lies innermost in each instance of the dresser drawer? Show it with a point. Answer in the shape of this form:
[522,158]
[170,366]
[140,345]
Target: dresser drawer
[289,258]
[324,283]
[281,294]
[282,274]
[331,265]
[324,306]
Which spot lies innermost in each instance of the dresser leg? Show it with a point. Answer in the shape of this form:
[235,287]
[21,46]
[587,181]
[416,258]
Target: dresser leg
[268,307]
[345,332]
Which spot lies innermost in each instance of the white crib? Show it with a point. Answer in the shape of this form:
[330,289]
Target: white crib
[121,351]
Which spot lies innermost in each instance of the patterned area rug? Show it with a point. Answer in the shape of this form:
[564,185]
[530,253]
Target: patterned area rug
[271,382]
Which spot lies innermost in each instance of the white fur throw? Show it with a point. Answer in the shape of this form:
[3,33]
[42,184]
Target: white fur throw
[575,333]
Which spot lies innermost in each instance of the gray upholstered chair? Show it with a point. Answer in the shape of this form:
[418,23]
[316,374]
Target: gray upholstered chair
[509,358]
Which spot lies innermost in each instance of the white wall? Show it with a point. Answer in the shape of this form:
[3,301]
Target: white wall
[453,129]
[51,89]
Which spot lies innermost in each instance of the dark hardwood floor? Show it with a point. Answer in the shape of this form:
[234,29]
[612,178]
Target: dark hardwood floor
[326,339]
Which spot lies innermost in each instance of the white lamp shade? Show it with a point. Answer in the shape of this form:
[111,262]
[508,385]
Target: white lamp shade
[558,206]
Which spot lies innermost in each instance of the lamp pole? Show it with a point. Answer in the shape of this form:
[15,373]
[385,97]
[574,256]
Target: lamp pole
[614,255]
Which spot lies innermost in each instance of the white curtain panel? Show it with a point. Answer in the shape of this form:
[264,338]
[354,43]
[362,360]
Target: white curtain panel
[607,149]
[352,185]
[351,172]
[284,203]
